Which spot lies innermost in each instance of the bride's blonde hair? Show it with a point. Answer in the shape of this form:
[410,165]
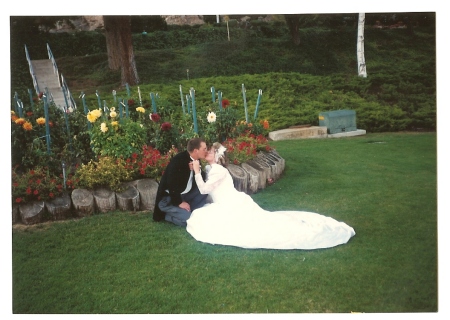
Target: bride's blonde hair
[219,151]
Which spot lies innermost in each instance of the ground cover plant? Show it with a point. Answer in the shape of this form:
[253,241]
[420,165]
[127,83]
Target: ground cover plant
[383,185]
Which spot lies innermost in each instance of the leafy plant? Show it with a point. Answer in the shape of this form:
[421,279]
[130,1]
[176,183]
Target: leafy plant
[150,163]
[245,147]
[116,137]
[107,172]
[37,184]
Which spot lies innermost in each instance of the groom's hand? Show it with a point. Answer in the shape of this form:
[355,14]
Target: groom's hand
[185,206]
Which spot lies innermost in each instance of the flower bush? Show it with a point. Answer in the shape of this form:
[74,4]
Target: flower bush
[107,172]
[118,138]
[150,163]
[245,147]
[38,184]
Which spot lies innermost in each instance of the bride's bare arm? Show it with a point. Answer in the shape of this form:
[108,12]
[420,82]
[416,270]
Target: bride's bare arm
[215,177]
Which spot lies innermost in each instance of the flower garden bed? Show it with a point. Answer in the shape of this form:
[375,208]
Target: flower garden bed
[139,195]
[60,157]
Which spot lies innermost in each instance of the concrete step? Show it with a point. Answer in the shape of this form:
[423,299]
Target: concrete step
[47,78]
[310,132]
[298,133]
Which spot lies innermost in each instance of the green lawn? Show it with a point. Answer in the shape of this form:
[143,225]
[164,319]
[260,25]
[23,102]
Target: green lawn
[383,185]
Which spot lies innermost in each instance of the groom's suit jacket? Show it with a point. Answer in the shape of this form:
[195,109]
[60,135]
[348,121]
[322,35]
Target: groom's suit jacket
[173,182]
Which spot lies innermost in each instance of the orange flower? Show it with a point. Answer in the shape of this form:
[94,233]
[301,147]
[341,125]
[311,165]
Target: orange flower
[40,121]
[265,124]
[20,121]
[14,117]
[27,126]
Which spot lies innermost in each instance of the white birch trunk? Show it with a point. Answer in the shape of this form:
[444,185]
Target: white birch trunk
[360,46]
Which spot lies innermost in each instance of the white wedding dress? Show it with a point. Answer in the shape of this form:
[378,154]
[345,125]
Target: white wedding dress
[234,219]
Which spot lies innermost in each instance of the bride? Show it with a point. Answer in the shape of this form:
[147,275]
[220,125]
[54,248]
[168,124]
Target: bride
[234,219]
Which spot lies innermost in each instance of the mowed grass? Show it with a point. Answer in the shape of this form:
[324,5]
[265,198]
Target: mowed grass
[383,185]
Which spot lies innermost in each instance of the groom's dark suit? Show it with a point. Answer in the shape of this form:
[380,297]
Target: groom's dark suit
[173,182]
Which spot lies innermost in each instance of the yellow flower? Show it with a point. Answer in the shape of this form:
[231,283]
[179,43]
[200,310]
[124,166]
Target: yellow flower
[97,112]
[114,123]
[12,112]
[27,126]
[140,109]
[40,121]
[91,117]
[113,114]
[103,127]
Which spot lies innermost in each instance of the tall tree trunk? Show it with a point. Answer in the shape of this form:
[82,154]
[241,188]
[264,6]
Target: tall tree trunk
[362,72]
[120,48]
[112,47]
[293,23]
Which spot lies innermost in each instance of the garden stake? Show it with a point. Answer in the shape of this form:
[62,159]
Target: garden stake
[128,89]
[98,100]
[182,100]
[245,103]
[188,102]
[140,99]
[213,93]
[16,105]
[152,96]
[257,103]
[47,127]
[126,108]
[219,96]
[120,109]
[86,110]
[194,112]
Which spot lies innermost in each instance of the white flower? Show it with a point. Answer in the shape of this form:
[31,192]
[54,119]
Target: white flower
[211,117]
[103,127]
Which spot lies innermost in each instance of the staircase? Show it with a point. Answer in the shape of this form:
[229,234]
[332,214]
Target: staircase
[46,78]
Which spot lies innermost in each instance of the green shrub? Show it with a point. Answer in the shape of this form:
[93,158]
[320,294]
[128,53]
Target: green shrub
[37,184]
[107,172]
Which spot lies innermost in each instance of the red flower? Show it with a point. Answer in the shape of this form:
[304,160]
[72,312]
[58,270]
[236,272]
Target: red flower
[225,103]
[134,155]
[29,113]
[28,190]
[51,195]
[166,126]
[50,124]
[36,192]
[130,102]
[155,117]
[40,95]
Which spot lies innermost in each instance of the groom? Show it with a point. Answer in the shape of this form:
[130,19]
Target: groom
[178,194]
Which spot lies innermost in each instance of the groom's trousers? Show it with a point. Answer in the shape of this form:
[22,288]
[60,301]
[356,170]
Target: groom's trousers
[177,215]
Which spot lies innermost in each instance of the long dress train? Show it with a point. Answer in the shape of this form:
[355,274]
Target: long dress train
[235,219]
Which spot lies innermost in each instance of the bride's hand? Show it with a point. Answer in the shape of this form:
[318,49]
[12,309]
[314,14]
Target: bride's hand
[196,166]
